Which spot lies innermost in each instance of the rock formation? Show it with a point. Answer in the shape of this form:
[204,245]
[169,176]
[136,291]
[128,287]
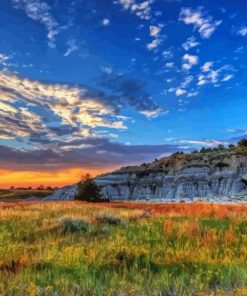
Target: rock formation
[220,175]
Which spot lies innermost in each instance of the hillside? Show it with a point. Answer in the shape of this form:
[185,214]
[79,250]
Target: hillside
[215,174]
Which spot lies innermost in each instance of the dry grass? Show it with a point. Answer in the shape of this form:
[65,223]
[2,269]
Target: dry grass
[76,248]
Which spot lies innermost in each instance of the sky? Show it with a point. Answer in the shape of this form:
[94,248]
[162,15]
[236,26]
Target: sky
[90,86]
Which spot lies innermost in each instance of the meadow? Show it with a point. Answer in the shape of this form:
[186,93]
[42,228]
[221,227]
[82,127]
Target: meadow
[76,248]
[13,195]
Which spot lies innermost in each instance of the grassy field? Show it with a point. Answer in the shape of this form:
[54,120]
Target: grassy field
[75,248]
[7,195]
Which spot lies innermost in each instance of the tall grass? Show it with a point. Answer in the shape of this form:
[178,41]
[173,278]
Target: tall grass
[73,248]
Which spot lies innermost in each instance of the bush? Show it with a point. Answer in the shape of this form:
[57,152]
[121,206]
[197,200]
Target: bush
[88,190]
[110,219]
[242,143]
[71,226]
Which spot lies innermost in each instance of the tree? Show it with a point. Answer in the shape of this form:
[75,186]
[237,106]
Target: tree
[221,147]
[242,143]
[88,190]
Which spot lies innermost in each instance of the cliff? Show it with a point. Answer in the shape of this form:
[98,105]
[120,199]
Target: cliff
[217,175]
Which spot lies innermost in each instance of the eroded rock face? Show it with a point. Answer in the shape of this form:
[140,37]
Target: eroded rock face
[175,177]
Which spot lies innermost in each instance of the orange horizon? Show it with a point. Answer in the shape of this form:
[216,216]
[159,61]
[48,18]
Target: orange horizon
[34,179]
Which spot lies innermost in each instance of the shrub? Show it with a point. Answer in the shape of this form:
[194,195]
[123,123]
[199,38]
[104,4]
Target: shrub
[71,226]
[88,190]
[110,219]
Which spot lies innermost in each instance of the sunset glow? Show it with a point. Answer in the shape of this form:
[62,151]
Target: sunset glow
[34,179]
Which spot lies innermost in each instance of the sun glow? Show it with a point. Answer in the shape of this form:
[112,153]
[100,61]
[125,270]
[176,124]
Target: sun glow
[35,178]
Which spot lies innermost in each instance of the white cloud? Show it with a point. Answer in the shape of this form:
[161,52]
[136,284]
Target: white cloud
[193,94]
[106,22]
[180,92]
[167,54]
[189,61]
[3,58]
[71,105]
[72,46]
[242,31]
[190,43]
[153,113]
[169,65]
[202,22]
[154,30]
[227,77]
[209,143]
[207,66]
[40,11]
[154,44]
[202,82]
[140,9]
[107,70]
[187,81]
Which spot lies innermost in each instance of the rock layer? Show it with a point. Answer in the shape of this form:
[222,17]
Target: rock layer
[179,176]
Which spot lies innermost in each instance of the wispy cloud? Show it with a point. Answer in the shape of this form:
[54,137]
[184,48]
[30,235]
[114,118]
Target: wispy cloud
[190,43]
[72,46]
[242,31]
[209,143]
[140,9]
[40,11]
[72,106]
[203,23]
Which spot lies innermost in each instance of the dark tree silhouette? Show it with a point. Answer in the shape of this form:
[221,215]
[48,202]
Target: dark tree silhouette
[88,190]
[243,142]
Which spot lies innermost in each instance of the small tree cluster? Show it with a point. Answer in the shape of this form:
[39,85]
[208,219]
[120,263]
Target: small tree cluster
[242,143]
[88,190]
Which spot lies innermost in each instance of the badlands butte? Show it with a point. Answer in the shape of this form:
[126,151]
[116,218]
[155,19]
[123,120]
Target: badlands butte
[217,174]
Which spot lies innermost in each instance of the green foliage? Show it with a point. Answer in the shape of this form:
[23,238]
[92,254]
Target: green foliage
[71,226]
[242,143]
[88,190]
[110,219]
[215,224]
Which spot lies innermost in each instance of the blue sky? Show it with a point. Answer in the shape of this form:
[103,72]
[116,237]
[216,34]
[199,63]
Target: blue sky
[107,83]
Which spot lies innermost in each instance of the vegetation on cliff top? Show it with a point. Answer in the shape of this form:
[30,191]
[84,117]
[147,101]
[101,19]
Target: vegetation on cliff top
[204,155]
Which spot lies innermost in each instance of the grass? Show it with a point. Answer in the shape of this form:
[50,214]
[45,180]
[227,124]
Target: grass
[75,248]
[15,195]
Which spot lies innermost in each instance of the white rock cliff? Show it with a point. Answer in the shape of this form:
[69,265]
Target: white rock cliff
[178,177]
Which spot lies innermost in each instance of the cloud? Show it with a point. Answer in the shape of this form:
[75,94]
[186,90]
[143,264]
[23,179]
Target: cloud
[123,91]
[69,106]
[92,153]
[207,66]
[189,61]
[105,22]
[140,9]
[190,43]
[242,31]
[38,113]
[212,75]
[153,113]
[209,143]
[180,92]
[40,11]
[72,46]
[227,77]
[202,22]
[154,30]
[3,58]
[154,44]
